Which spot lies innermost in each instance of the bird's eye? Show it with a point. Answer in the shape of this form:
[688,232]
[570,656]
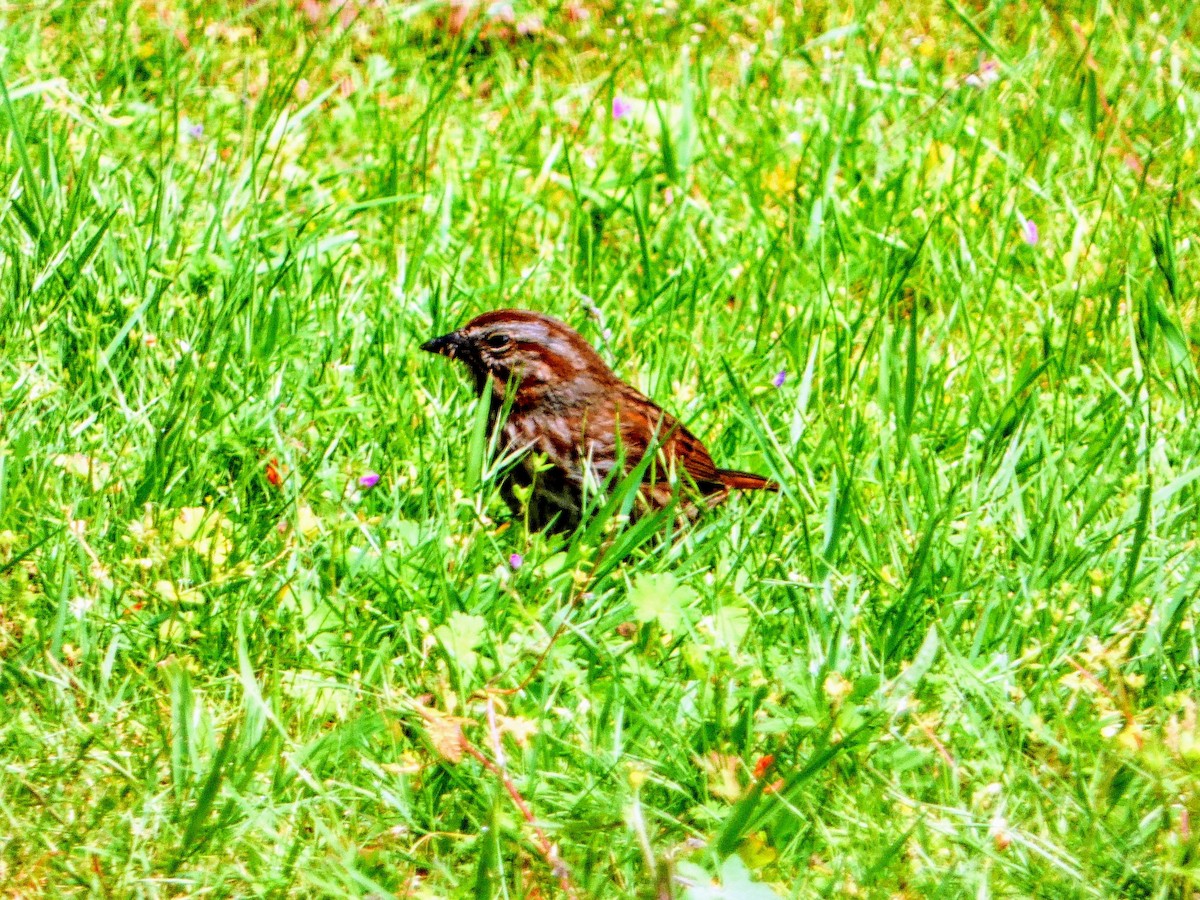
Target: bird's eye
[497,341]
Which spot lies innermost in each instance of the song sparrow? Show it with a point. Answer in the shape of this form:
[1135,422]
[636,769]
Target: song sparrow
[572,420]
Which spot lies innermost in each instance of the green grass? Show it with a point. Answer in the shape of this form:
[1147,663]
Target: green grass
[964,631]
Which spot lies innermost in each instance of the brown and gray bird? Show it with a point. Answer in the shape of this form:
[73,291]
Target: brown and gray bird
[570,411]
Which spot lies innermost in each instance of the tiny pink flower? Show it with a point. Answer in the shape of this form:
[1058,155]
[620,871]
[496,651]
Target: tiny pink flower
[369,480]
[516,560]
[621,108]
[1029,231]
[502,11]
[780,378]
[530,25]
[987,73]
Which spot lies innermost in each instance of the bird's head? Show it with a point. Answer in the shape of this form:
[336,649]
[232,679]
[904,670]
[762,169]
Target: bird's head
[544,359]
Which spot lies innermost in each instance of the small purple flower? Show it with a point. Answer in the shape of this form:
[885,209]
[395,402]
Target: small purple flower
[369,480]
[516,560]
[988,73]
[1029,231]
[780,378]
[195,131]
[621,108]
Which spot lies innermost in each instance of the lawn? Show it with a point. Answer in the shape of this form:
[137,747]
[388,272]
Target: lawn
[266,627]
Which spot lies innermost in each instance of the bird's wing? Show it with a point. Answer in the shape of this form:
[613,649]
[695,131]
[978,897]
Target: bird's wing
[684,447]
[644,425]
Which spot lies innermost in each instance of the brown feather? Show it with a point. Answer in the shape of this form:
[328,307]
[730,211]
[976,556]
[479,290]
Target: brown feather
[745,481]
[572,420]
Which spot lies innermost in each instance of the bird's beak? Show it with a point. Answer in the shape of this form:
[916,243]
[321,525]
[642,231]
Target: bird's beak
[448,345]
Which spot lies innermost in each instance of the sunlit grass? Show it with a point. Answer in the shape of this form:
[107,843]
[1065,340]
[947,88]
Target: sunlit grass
[954,656]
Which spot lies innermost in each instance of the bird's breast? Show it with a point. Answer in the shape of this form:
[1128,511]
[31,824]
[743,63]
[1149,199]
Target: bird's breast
[533,433]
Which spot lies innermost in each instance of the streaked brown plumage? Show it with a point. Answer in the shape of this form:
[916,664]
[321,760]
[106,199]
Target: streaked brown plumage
[569,407]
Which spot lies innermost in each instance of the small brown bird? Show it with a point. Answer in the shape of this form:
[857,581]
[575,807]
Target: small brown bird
[571,420]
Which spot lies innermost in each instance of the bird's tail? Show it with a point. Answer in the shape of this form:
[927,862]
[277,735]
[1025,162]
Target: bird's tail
[745,481]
